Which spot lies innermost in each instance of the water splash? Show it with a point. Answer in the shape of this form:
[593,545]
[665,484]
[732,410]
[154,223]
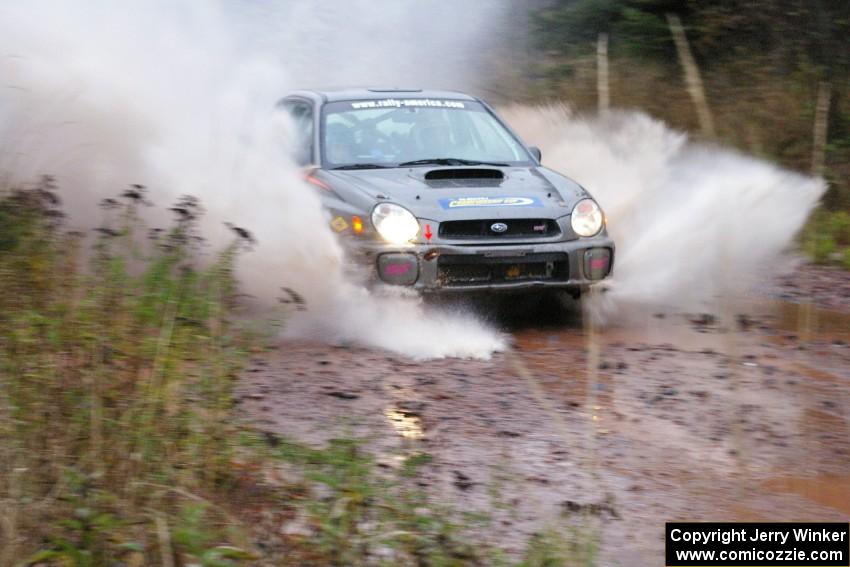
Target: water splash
[690,220]
[180,98]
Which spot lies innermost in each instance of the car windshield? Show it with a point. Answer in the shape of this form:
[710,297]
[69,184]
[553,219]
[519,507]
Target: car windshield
[392,132]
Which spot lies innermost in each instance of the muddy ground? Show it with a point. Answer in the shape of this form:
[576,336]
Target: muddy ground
[741,413]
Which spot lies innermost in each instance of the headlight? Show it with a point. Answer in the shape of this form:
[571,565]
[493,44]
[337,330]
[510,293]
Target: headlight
[395,223]
[587,218]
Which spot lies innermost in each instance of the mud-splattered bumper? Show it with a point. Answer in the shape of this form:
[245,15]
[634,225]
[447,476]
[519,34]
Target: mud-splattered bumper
[574,264]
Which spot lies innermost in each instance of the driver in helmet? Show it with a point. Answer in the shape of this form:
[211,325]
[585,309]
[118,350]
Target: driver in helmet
[339,144]
[433,135]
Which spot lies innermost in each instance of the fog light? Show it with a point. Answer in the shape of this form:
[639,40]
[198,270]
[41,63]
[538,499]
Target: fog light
[597,263]
[398,269]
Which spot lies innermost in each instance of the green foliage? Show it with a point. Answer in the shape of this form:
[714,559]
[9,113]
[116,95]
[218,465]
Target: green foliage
[364,517]
[576,547]
[761,65]
[793,32]
[194,539]
[642,34]
[826,238]
[822,248]
[572,28]
[569,24]
[414,462]
[117,436]
[113,379]
[838,225]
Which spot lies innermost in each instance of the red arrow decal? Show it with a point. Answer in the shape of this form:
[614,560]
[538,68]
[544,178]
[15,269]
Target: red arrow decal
[428,233]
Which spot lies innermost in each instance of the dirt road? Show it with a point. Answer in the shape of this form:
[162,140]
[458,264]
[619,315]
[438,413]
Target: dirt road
[738,414]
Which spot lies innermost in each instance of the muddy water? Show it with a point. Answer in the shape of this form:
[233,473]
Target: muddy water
[741,413]
[737,416]
[829,491]
[805,318]
[705,417]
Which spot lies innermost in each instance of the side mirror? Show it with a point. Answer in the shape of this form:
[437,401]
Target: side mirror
[535,151]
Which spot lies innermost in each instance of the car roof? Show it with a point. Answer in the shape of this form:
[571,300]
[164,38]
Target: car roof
[378,93]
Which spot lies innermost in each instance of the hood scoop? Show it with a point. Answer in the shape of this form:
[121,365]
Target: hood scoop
[464,173]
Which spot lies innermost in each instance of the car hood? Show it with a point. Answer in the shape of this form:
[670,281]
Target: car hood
[448,193]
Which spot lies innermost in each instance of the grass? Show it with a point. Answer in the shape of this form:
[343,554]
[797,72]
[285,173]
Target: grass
[368,517]
[745,97]
[571,547]
[116,380]
[826,238]
[119,443]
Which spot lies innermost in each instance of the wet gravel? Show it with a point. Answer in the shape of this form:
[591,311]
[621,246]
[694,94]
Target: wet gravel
[740,414]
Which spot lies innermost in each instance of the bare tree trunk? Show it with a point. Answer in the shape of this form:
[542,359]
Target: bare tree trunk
[821,123]
[602,74]
[806,314]
[692,76]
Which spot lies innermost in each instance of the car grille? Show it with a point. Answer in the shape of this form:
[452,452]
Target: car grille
[465,269]
[516,228]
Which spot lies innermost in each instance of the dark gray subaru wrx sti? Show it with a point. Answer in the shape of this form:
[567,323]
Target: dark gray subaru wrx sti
[435,192]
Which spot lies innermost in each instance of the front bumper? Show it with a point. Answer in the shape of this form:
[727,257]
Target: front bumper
[573,264]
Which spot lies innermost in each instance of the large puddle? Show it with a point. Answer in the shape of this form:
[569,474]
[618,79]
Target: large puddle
[810,321]
[735,414]
[829,491]
[753,402]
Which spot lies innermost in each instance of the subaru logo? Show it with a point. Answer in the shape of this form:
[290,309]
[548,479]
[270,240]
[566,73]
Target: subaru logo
[498,227]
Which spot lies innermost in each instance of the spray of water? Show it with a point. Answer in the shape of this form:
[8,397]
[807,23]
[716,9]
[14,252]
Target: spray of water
[179,97]
[690,221]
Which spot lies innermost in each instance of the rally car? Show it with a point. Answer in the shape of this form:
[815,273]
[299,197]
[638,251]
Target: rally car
[431,190]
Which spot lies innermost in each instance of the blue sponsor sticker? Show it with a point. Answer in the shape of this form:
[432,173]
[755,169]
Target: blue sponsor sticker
[462,202]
